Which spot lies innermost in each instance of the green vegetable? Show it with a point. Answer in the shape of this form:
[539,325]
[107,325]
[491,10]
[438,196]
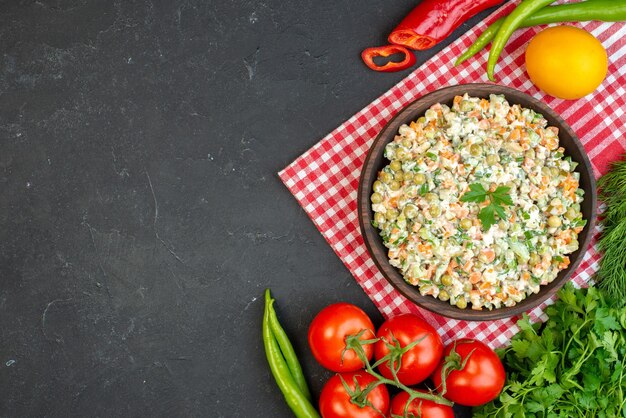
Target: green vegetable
[497,198]
[509,25]
[573,366]
[288,352]
[283,369]
[612,272]
[603,10]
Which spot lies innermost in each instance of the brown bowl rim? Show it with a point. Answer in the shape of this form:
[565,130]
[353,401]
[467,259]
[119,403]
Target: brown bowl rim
[370,234]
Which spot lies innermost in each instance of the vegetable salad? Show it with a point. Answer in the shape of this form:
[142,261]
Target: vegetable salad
[456,245]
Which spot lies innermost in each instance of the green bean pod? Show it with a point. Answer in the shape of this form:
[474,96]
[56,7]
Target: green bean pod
[296,400]
[509,25]
[287,350]
[602,10]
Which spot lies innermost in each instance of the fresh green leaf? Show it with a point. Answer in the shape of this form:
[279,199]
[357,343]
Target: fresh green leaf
[487,216]
[476,193]
[497,198]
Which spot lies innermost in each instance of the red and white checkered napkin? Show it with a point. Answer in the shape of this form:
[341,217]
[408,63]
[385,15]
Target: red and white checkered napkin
[325,178]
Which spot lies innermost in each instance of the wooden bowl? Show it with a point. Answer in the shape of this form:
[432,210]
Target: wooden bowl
[375,161]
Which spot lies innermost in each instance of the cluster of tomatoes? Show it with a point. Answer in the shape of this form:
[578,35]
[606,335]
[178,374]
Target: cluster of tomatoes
[407,351]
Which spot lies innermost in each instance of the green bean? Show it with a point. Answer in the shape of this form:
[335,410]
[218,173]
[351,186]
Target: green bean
[509,25]
[296,400]
[288,352]
[603,10]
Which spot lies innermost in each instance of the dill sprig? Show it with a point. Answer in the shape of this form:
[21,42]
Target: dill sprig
[612,272]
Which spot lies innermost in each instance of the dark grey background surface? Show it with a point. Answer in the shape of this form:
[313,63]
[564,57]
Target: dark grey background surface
[141,216]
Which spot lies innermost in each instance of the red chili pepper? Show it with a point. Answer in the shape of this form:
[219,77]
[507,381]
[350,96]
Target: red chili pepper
[369,54]
[433,20]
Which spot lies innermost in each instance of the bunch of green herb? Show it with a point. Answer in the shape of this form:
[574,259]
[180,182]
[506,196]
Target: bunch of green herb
[497,199]
[612,272]
[573,366]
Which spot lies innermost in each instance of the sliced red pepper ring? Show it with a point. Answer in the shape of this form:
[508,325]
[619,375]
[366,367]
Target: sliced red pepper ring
[369,54]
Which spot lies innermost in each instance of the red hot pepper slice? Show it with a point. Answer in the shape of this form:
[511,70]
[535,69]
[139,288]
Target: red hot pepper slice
[369,54]
[431,21]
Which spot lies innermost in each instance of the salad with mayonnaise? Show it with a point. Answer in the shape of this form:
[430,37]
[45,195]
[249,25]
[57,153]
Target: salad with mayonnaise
[448,242]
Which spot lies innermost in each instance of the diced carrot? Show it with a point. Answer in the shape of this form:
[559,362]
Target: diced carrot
[489,254]
[563,264]
[515,134]
[475,277]
[451,266]
[424,248]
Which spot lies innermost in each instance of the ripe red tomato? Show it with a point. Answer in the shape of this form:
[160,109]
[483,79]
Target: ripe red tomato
[335,401]
[480,381]
[418,362]
[419,407]
[328,332]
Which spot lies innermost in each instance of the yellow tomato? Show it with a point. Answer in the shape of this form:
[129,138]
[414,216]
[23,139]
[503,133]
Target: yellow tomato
[566,62]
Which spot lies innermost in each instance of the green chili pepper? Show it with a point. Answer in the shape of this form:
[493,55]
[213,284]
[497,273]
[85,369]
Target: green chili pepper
[287,350]
[296,400]
[509,25]
[603,10]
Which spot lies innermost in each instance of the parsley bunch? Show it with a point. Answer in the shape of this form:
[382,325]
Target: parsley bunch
[573,366]
[497,199]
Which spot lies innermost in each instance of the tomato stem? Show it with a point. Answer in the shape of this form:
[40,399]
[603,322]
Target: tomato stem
[355,343]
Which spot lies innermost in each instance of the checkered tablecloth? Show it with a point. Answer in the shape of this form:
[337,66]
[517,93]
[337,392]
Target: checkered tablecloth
[324,179]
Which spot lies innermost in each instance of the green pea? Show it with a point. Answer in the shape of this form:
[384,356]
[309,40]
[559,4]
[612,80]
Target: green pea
[424,233]
[554,172]
[379,218]
[530,154]
[534,259]
[466,223]
[443,295]
[421,120]
[385,177]
[410,211]
[468,287]
[399,176]
[466,106]
[391,214]
[476,150]
[431,197]
[546,171]
[376,198]
[503,225]
[406,142]
[378,186]
[408,176]
[401,154]
[434,211]
[419,179]
[461,304]
[492,159]
[395,165]
[571,214]
[554,221]
[394,185]
[446,280]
